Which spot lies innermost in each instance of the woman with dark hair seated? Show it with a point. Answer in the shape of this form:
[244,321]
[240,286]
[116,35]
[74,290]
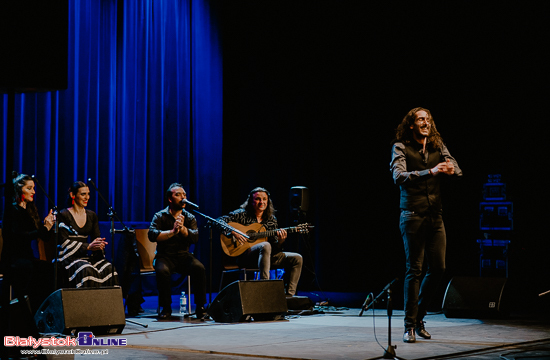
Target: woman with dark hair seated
[83,263]
[21,226]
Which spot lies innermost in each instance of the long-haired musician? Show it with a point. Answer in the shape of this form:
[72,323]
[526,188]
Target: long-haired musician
[266,255]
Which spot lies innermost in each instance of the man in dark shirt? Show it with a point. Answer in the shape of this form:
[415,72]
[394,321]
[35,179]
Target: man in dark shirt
[174,229]
[419,160]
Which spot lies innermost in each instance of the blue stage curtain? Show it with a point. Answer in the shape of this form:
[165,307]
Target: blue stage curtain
[143,109]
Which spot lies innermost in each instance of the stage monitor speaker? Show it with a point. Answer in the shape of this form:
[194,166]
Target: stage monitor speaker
[260,300]
[69,311]
[476,297]
[299,198]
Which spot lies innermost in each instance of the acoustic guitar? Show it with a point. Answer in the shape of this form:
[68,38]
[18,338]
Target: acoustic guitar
[255,234]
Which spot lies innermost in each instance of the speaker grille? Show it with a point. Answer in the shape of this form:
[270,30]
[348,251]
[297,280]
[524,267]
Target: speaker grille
[242,300]
[68,311]
[475,297]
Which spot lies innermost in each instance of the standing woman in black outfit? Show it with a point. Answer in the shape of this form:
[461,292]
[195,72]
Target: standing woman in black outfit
[20,227]
[82,263]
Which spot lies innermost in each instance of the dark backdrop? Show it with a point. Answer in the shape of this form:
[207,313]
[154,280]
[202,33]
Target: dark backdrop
[312,93]
[314,90]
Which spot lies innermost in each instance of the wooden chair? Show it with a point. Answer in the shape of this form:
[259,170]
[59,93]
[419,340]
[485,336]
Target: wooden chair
[146,250]
[230,267]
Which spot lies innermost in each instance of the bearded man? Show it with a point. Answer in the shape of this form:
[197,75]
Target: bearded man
[419,160]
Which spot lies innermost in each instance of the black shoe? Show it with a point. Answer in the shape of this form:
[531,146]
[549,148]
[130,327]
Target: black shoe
[421,330]
[409,336]
[134,310]
[165,314]
[132,313]
[200,313]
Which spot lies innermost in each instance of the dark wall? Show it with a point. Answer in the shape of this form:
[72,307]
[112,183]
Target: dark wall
[34,43]
[314,90]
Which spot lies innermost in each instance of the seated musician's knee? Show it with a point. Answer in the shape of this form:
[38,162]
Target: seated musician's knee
[299,259]
[266,248]
[197,268]
[161,269]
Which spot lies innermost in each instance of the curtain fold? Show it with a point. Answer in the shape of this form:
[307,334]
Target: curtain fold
[143,109]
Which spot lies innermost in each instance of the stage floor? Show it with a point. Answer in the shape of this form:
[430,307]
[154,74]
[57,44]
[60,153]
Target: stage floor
[336,333]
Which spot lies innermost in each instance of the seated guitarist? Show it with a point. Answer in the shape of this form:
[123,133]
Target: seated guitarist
[265,255]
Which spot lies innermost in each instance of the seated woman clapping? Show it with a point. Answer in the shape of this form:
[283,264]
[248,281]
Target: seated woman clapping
[83,263]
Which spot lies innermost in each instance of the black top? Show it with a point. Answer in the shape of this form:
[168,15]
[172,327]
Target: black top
[70,233]
[18,232]
[177,244]
[410,166]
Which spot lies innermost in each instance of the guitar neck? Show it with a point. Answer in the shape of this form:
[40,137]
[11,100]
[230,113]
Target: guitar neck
[270,233]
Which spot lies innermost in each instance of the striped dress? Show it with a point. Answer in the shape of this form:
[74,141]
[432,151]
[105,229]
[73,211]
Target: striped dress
[82,267]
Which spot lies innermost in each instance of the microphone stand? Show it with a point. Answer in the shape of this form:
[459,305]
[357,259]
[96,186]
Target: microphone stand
[56,230]
[210,255]
[222,225]
[389,353]
[112,215]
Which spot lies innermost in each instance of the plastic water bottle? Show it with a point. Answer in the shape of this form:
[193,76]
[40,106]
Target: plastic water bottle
[183,303]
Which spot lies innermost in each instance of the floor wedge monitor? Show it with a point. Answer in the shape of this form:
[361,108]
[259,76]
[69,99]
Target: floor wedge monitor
[476,297]
[69,311]
[259,300]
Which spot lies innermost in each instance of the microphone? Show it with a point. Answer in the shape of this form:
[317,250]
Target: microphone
[91,182]
[68,228]
[185,201]
[365,304]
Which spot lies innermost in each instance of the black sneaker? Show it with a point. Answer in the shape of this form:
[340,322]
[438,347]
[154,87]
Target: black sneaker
[201,313]
[421,330]
[409,336]
[132,313]
[165,314]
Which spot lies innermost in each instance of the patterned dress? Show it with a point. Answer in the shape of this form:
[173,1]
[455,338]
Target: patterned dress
[82,267]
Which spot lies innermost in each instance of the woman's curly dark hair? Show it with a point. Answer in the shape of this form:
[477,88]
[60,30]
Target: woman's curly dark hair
[19,181]
[247,205]
[404,133]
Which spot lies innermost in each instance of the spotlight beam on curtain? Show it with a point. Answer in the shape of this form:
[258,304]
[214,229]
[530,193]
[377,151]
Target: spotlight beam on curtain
[143,109]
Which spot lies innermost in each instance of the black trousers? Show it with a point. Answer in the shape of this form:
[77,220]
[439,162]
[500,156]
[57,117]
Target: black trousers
[424,238]
[185,264]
